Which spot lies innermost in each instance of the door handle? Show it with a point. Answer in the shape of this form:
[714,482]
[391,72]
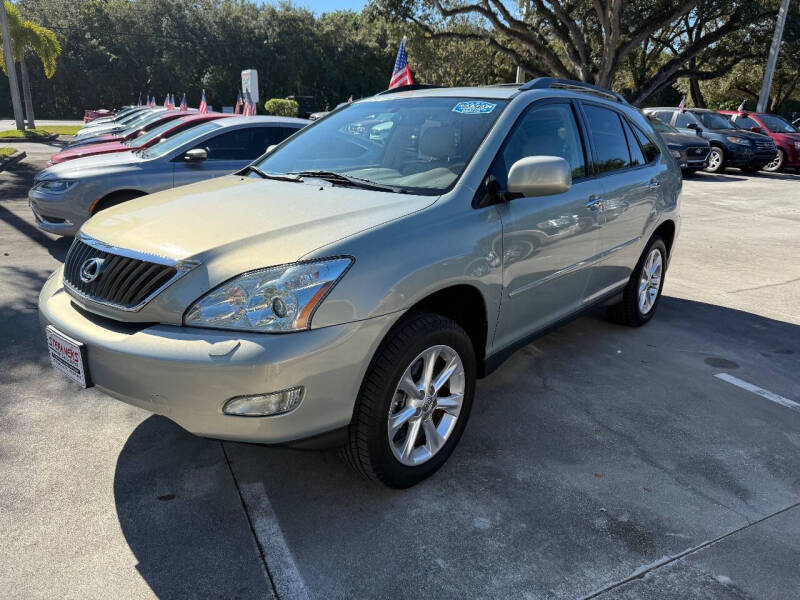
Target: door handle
[595,202]
[654,183]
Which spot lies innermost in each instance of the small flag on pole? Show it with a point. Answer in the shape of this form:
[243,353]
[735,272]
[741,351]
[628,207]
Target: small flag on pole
[401,75]
[203,104]
[249,105]
[682,104]
[172,101]
[238,108]
[741,107]
[140,99]
[183,103]
[166,101]
[350,99]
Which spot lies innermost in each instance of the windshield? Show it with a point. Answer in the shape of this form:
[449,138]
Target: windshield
[777,124]
[136,124]
[713,120]
[660,126]
[174,142]
[421,145]
[133,116]
[145,139]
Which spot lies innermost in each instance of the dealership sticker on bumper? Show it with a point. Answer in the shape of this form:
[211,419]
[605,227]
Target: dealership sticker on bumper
[67,355]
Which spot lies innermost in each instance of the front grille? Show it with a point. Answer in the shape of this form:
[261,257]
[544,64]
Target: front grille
[122,281]
[697,151]
[765,145]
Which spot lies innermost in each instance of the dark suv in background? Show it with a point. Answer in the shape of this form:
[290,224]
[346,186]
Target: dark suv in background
[731,146]
[690,150]
[784,134]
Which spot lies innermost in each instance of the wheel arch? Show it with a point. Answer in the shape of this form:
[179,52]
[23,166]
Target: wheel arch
[666,231]
[124,193]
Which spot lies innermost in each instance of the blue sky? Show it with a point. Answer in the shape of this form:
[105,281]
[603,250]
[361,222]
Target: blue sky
[321,6]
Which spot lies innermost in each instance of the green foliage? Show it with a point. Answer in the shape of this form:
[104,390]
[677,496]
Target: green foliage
[26,35]
[41,133]
[281,107]
[5,152]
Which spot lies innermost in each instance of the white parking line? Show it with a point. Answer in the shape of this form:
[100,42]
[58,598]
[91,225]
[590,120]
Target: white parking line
[757,390]
[286,576]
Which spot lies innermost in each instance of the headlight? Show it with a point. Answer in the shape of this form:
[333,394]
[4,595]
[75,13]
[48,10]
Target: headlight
[675,153]
[276,299]
[738,140]
[56,185]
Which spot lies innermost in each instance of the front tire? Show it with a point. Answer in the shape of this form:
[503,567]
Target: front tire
[641,295]
[414,401]
[716,160]
[777,164]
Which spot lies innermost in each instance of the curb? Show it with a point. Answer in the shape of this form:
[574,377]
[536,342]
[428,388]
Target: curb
[11,160]
[48,138]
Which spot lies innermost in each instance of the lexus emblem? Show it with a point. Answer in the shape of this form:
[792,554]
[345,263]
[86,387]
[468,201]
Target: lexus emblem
[90,269]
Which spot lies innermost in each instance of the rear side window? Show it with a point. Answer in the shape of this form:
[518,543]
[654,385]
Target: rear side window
[663,115]
[637,156]
[745,122]
[649,147]
[610,145]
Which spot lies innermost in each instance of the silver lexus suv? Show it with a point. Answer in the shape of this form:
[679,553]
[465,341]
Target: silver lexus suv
[349,286]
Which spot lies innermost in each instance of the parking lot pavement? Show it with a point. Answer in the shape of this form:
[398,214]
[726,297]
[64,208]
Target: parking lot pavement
[599,461]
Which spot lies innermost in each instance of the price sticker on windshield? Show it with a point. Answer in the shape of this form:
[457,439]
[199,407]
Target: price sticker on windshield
[474,107]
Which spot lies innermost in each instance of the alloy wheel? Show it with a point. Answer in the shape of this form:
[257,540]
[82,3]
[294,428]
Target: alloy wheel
[650,281]
[776,163]
[426,405]
[714,160]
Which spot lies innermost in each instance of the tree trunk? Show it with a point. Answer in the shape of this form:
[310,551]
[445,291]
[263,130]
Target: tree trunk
[12,70]
[696,93]
[26,92]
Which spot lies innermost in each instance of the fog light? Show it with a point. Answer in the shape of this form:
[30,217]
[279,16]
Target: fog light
[263,405]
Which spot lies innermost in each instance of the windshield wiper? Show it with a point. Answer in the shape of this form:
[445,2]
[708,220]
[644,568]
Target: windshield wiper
[265,175]
[341,179]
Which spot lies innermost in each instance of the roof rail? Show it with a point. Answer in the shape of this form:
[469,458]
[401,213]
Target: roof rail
[407,88]
[541,83]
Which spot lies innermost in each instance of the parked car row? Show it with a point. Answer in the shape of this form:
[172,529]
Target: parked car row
[348,286]
[749,141]
[144,151]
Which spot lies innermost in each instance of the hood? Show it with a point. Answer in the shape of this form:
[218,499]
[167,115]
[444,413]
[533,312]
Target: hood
[92,139]
[250,222]
[789,137]
[88,150]
[78,167]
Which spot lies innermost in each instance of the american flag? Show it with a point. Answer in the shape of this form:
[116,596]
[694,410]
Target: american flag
[140,99]
[682,104]
[166,101]
[172,101]
[741,107]
[203,104]
[249,105]
[238,108]
[183,103]
[402,72]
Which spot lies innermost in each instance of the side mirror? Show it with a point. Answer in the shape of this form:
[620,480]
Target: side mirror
[539,176]
[694,126]
[756,129]
[195,154]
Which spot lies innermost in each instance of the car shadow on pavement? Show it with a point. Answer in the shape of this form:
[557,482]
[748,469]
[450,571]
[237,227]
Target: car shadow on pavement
[591,452]
[57,247]
[17,180]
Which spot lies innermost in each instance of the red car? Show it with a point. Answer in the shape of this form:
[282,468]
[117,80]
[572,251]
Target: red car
[143,140]
[785,135]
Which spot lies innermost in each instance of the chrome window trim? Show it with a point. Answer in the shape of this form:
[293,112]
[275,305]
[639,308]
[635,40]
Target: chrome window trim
[182,267]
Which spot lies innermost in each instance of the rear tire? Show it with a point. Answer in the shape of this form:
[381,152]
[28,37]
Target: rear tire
[641,295]
[716,160]
[383,406]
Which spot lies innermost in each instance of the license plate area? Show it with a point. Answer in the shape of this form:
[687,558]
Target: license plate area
[68,356]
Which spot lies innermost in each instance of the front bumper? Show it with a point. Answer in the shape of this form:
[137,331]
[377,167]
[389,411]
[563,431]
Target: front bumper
[187,374]
[62,214]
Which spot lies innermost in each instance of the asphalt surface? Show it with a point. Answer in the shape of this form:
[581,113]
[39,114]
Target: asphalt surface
[599,461]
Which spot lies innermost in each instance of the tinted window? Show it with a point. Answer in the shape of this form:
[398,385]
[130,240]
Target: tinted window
[684,120]
[610,146]
[637,156]
[664,115]
[745,122]
[247,143]
[649,147]
[174,142]
[777,124]
[715,121]
[549,130]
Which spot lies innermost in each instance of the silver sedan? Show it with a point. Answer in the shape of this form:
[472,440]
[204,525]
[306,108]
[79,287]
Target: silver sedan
[65,195]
